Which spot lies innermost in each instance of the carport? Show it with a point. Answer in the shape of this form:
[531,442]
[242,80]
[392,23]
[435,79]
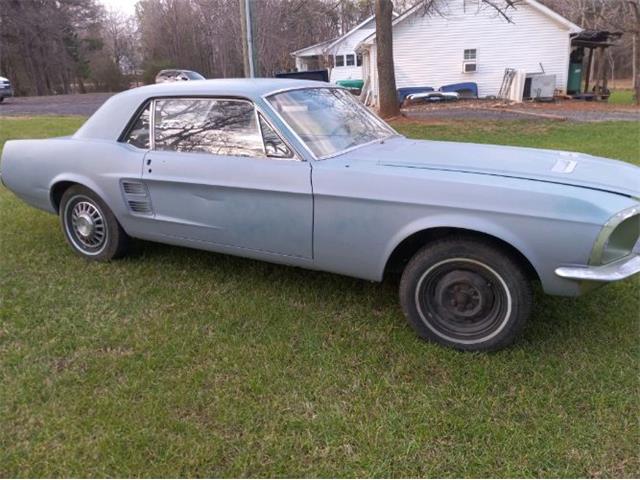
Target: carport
[591,40]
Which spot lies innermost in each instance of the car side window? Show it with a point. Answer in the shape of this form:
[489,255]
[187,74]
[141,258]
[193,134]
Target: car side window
[273,144]
[138,135]
[215,126]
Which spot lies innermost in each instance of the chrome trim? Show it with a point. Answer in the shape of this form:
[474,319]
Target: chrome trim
[296,154]
[263,116]
[152,125]
[597,251]
[611,272]
[266,96]
[259,125]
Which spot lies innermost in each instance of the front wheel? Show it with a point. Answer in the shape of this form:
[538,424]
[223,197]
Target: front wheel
[466,293]
[90,226]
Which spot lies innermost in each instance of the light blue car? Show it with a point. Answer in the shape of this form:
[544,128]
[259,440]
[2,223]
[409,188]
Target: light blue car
[300,173]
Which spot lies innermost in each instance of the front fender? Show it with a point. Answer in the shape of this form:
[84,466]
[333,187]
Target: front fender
[462,222]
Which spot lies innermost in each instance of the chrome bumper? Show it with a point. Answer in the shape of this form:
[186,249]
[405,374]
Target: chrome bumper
[611,272]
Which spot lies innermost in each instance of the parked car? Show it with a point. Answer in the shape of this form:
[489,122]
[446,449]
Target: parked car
[6,90]
[300,173]
[165,76]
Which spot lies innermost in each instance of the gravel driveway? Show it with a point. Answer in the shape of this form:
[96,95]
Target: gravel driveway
[86,104]
[78,104]
[572,110]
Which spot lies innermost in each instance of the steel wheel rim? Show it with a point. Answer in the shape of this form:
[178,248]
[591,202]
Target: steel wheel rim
[85,225]
[476,321]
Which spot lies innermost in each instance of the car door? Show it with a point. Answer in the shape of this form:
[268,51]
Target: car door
[210,178]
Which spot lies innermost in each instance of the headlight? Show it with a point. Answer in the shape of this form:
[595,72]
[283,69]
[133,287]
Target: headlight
[617,238]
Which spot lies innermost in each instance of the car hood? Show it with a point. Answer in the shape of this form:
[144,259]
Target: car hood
[4,79]
[568,168]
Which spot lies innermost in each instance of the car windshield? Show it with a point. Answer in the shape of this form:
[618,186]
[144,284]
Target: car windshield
[328,120]
[193,75]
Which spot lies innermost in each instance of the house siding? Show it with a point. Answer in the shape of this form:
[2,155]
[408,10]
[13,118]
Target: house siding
[428,50]
[348,46]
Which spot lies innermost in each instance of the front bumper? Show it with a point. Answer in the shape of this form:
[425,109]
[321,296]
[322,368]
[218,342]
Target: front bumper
[611,272]
[6,92]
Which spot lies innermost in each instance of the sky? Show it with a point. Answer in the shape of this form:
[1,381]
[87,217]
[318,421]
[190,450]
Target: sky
[125,6]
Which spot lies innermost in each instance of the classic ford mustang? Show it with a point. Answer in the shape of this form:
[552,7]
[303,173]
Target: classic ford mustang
[300,173]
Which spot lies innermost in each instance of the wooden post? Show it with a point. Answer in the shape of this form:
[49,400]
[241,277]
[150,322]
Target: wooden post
[589,64]
[248,50]
[600,72]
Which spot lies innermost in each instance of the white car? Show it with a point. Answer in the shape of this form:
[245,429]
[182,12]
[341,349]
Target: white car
[6,90]
[165,76]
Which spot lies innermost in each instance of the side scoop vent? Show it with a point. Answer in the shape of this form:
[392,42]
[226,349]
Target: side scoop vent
[137,197]
[134,188]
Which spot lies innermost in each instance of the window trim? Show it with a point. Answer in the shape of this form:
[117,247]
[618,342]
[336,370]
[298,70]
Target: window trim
[335,61]
[122,138]
[151,102]
[346,60]
[262,117]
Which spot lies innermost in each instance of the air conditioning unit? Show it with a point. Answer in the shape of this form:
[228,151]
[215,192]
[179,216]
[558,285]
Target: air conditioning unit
[469,67]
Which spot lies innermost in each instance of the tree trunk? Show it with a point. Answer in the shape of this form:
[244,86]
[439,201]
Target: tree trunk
[387,94]
[634,65]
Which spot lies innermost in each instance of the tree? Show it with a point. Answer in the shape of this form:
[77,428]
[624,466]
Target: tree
[387,94]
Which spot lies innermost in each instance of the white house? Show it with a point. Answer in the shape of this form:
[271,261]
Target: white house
[338,54]
[468,41]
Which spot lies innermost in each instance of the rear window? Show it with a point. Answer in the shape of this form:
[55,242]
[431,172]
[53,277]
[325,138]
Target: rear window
[138,135]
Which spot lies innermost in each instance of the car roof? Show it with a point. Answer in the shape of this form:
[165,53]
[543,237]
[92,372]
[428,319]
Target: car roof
[112,117]
[247,87]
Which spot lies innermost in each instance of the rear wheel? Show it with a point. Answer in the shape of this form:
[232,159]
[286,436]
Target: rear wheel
[466,293]
[90,226]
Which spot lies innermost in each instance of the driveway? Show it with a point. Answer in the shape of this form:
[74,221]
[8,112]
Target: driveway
[571,110]
[76,104]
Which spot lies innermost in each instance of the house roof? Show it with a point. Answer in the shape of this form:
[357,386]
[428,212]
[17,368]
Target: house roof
[350,32]
[324,47]
[310,50]
[570,26]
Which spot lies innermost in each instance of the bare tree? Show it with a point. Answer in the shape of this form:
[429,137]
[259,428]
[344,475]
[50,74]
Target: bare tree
[387,94]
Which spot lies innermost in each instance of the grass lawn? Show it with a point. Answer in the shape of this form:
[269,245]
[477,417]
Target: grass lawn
[622,97]
[175,362]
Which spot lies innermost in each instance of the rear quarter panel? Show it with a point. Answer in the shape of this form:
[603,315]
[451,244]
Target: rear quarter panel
[30,169]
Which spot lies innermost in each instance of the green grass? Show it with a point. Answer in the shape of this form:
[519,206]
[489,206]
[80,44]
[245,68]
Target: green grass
[622,97]
[175,362]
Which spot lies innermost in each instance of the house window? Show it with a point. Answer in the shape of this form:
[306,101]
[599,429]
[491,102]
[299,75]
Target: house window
[339,60]
[469,64]
[351,60]
[470,54]
[359,59]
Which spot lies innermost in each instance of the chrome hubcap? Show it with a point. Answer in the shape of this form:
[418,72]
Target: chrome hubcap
[88,225]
